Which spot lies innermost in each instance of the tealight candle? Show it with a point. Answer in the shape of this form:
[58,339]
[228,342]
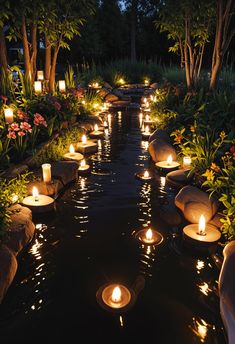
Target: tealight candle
[96,132]
[8,113]
[168,164]
[149,236]
[83,167]
[201,232]
[72,155]
[37,87]
[187,162]
[148,120]
[62,86]
[38,203]
[40,75]
[86,146]
[46,173]
[105,124]
[116,296]
[119,113]
[84,139]
[144,176]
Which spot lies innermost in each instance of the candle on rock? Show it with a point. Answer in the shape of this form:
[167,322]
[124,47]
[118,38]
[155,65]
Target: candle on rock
[40,75]
[72,155]
[37,87]
[83,168]
[146,134]
[38,203]
[62,86]
[46,173]
[86,146]
[8,113]
[84,139]
[187,162]
[167,164]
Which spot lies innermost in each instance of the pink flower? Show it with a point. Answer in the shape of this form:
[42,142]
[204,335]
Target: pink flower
[14,126]
[232,149]
[22,115]
[21,133]
[39,120]
[11,134]
[25,126]
[4,98]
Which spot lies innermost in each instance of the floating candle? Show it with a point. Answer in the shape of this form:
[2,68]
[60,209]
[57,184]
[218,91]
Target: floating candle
[38,203]
[145,176]
[168,164]
[149,236]
[72,155]
[116,296]
[83,167]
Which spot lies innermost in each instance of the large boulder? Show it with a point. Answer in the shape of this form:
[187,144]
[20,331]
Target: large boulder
[194,202]
[8,268]
[160,150]
[160,134]
[227,290]
[179,178]
[21,229]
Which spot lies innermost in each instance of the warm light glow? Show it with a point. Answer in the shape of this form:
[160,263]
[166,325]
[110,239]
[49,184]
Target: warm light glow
[83,163]
[84,139]
[202,225]
[147,129]
[83,102]
[95,105]
[169,160]
[62,86]
[151,97]
[147,118]
[40,75]
[8,115]
[202,330]
[145,100]
[38,87]
[116,294]
[204,288]
[187,161]
[14,198]
[149,234]
[71,149]
[96,128]
[146,81]
[119,113]
[121,81]
[109,119]
[147,104]
[95,85]
[105,124]
[35,193]
[162,181]
[146,174]
[46,173]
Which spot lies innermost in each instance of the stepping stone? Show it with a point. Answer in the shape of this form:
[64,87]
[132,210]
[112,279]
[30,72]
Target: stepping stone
[179,178]
[160,150]
[21,229]
[8,268]
[194,202]
[88,148]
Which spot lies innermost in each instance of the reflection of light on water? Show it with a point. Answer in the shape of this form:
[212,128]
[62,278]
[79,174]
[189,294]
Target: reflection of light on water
[99,144]
[163,181]
[200,328]
[121,321]
[148,251]
[200,265]
[83,183]
[35,249]
[144,145]
[204,288]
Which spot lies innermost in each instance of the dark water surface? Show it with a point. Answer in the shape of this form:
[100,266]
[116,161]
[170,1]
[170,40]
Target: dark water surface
[89,242]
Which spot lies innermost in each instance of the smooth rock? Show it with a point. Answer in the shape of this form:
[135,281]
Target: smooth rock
[154,85]
[160,150]
[111,98]
[65,171]
[227,290]
[160,134]
[215,221]
[179,178]
[194,202]
[48,189]
[21,229]
[8,268]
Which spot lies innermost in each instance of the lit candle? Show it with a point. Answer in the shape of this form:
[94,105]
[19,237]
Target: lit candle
[187,161]
[46,172]
[62,86]
[147,118]
[35,194]
[119,113]
[169,160]
[71,149]
[202,225]
[146,130]
[96,128]
[121,81]
[84,139]
[116,295]
[40,75]
[72,155]
[8,115]
[105,124]
[38,87]
[146,82]
[149,236]
[146,174]
[145,100]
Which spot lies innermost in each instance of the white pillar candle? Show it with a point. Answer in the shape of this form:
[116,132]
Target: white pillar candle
[8,115]
[38,87]
[46,172]
[40,75]
[62,86]
[187,162]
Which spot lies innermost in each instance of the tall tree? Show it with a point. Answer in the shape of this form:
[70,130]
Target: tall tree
[4,17]
[225,30]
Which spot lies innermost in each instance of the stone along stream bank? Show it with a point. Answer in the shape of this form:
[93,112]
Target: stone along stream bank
[89,241]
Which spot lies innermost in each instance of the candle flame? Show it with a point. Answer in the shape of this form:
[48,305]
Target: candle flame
[145,100]
[96,128]
[83,163]
[71,149]
[121,81]
[105,123]
[35,192]
[149,234]
[169,160]
[147,129]
[147,118]
[202,225]
[84,139]
[146,174]
[116,294]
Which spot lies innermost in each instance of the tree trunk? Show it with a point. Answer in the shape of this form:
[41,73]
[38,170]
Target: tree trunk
[3,52]
[53,70]
[34,51]
[47,59]
[187,68]
[133,29]
[27,62]
[181,53]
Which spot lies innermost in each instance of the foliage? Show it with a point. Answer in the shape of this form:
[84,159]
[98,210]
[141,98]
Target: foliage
[69,77]
[90,103]
[58,146]
[11,192]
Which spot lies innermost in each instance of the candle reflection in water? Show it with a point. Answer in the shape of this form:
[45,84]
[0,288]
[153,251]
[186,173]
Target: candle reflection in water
[200,328]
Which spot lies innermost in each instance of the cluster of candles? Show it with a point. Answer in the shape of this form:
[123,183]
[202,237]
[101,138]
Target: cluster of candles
[38,84]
